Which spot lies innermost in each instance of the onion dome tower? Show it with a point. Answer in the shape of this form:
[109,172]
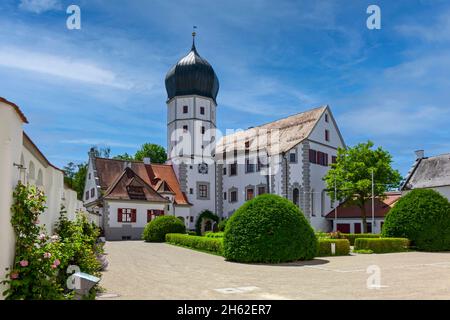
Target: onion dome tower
[192,87]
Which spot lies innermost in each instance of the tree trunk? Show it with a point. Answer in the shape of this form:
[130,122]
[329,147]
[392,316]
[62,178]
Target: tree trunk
[364,218]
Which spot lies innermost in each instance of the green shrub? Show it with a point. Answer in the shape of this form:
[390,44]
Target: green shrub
[214,235]
[192,233]
[382,245]
[156,230]
[271,229]
[222,224]
[324,247]
[213,245]
[353,236]
[206,214]
[423,216]
[363,251]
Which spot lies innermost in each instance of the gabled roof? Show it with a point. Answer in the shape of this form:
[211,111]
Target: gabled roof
[16,108]
[276,137]
[382,207]
[110,170]
[429,172]
[119,190]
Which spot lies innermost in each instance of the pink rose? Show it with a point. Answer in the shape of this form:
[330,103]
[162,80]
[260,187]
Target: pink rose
[53,266]
[57,262]
[47,255]
[14,275]
[23,263]
[54,238]
[42,236]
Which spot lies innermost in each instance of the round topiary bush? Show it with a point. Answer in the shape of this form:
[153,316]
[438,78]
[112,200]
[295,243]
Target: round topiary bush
[271,229]
[422,216]
[156,230]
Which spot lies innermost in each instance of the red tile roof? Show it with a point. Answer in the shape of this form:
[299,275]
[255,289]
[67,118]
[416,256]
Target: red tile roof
[119,189]
[382,207]
[16,108]
[110,170]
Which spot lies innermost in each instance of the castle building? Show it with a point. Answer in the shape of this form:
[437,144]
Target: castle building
[208,171]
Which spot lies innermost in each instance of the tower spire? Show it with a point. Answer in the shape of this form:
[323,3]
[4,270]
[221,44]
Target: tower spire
[193,36]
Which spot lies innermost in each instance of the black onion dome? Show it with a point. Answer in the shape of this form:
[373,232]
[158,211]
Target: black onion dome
[192,75]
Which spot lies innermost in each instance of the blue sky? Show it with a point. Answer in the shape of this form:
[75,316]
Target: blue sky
[104,84]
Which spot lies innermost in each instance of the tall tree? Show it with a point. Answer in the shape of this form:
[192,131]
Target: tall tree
[155,152]
[75,176]
[352,175]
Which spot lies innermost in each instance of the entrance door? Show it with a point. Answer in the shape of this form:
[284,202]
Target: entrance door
[357,227]
[343,227]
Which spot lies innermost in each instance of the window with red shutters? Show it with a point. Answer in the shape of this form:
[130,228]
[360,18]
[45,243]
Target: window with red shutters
[152,214]
[126,215]
[312,156]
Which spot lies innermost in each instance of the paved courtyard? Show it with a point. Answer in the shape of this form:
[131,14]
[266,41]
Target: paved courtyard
[139,270]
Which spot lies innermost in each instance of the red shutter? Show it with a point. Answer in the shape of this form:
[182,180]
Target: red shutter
[149,215]
[119,215]
[133,215]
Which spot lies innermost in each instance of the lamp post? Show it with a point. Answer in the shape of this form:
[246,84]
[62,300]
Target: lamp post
[373,203]
[335,206]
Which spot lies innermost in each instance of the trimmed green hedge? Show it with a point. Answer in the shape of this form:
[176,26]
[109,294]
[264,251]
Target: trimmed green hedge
[423,216]
[324,247]
[382,245]
[156,230]
[213,245]
[214,234]
[270,229]
[353,236]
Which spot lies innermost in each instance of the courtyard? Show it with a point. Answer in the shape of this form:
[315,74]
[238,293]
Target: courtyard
[139,270]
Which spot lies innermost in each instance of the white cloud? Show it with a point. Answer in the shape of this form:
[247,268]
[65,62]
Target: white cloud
[40,6]
[98,142]
[63,67]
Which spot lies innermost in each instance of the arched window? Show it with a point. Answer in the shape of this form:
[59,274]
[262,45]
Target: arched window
[31,171]
[40,179]
[296,196]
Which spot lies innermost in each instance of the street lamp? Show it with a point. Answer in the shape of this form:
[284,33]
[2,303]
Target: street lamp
[373,203]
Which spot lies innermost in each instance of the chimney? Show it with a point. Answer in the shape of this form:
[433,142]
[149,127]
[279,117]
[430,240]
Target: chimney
[420,154]
[147,161]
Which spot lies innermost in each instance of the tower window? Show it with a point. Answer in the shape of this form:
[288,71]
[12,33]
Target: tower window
[185,129]
[202,110]
[233,169]
[185,109]
[203,191]
[203,130]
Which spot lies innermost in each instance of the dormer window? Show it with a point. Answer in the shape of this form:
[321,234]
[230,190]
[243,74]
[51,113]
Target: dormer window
[326,117]
[327,135]
[136,192]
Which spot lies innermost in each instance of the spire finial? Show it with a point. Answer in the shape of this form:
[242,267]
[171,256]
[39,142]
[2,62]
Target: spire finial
[193,36]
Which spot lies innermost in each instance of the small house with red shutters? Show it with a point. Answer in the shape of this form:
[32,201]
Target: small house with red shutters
[347,218]
[129,194]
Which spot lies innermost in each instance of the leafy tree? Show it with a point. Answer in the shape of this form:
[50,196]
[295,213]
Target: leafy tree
[124,156]
[352,174]
[155,152]
[75,177]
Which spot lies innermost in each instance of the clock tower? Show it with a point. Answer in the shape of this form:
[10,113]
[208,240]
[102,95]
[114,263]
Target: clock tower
[192,87]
